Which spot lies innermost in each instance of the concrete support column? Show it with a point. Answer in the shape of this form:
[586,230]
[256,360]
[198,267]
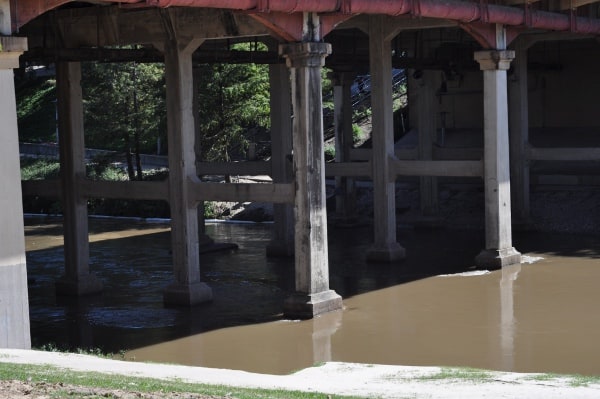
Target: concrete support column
[203,239]
[342,110]
[14,302]
[187,289]
[282,243]
[78,280]
[519,135]
[313,295]
[498,250]
[426,122]
[385,247]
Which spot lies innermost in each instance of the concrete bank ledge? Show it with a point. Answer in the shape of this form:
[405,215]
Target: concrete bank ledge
[365,380]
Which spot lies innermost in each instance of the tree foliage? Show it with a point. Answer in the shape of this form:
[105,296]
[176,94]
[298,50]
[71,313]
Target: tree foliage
[125,108]
[233,99]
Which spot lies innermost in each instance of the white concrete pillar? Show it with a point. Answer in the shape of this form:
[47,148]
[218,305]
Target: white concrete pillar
[78,280]
[187,288]
[498,250]
[313,295]
[385,247]
[427,114]
[342,111]
[14,302]
[282,243]
[519,134]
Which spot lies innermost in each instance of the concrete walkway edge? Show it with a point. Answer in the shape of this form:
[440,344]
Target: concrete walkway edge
[373,381]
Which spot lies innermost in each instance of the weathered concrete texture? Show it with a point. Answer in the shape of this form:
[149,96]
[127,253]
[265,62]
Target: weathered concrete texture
[306,306]
[385,247]
[345,204]
[498,236]
[282,167]
[77,280]
[14,306]
[313,297]
[494,259]
[14,303]
[519,135]
[187,289]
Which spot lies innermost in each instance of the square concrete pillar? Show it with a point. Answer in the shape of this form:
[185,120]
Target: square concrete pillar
[282,243]
[14,302]
[345,200]
[427,113]
[313,295]
[187,289]
[385,247]
[498,250]
[519,135]
[78,280]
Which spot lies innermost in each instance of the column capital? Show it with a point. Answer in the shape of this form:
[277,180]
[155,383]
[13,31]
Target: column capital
[494,60]
[11,48]
[305,54]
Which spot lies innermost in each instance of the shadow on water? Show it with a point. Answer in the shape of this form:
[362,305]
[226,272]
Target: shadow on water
[247,286]
[394,313]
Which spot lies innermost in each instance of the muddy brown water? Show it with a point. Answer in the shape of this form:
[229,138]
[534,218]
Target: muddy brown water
[430,309]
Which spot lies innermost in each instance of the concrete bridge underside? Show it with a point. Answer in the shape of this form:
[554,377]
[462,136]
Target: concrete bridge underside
[473,76]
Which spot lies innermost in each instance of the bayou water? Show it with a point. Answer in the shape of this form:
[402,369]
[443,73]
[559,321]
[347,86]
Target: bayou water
[434,308]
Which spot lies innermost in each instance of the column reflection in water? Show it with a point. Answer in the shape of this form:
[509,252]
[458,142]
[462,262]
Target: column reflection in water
[323,329]
[507,315]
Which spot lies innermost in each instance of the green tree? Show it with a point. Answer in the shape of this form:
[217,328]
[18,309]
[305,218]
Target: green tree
[232,99]
[125,109]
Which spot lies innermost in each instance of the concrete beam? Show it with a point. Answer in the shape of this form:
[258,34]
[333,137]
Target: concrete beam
[43,188]
[245,168]
[135,190]
[563,154]
[114,25]
[436,168]
[354,169]
[279,193]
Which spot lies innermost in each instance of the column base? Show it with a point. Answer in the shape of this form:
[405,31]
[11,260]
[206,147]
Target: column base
[277,249]
[307,306]
[387,254]
[88,285]
[498,258]
[14,307]
[187,294]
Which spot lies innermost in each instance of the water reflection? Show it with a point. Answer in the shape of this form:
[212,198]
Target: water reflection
[539,317]
[507,316]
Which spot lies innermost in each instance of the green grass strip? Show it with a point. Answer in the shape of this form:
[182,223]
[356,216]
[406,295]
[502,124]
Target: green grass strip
[54,375]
